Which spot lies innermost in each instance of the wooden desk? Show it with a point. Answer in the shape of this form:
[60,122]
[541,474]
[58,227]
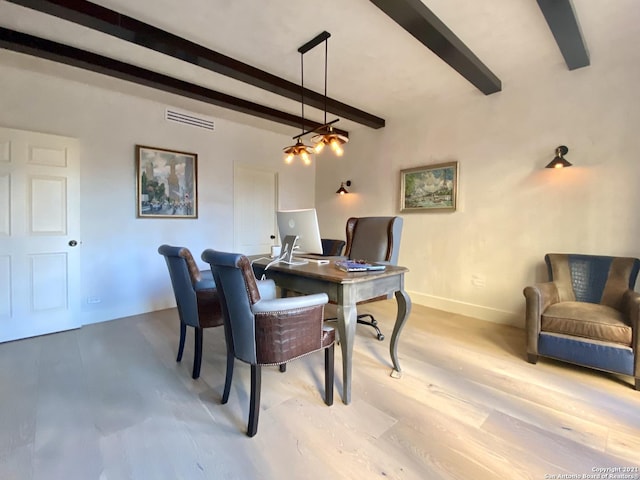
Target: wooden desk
[345,290]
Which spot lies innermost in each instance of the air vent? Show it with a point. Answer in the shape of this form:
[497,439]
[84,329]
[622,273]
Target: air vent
[187,118]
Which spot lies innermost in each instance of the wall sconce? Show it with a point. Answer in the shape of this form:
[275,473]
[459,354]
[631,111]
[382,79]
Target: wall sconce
[342,190]
[559,161]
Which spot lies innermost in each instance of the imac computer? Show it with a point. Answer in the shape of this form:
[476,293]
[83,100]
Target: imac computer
[302,224]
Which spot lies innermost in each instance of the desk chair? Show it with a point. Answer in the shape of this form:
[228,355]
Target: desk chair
[331,247]
[261,329]
[374,240]
[196,298]
[587,313]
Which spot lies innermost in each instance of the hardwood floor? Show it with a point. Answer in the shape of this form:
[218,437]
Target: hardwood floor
[109,401]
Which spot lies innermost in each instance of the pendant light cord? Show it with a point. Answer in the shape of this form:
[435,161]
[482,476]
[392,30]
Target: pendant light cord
[326,50]
[302,87]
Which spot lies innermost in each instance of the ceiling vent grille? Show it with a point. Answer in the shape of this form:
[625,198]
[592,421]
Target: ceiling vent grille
[186,118]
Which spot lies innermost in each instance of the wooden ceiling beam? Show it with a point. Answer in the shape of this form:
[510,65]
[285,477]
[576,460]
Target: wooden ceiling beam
[563,22]
[131,30]
[57,52]
[422,23]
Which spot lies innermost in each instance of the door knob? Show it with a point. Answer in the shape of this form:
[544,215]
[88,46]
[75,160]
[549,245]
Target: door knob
[72,243]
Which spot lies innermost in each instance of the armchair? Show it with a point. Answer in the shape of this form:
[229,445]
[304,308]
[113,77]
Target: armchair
[587,314]
[196,298]
[263,330]
[373,239]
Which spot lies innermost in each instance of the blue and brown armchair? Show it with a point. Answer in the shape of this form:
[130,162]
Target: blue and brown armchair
[196,298]
[587,313]
[261,329]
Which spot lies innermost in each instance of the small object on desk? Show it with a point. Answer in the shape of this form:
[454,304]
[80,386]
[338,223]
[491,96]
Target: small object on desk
[355,266]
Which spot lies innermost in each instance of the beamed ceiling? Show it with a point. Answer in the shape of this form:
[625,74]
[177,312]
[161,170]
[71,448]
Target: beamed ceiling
[239,58]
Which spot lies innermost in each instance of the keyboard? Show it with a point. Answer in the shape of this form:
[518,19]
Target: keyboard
[318,259]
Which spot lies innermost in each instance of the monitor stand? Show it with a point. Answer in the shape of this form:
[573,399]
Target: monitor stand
[288,246]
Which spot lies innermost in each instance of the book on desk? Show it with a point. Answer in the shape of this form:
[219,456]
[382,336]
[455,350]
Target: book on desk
[354,266]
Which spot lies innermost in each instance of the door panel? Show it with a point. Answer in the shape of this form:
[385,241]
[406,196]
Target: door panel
[255,200]
[39,216]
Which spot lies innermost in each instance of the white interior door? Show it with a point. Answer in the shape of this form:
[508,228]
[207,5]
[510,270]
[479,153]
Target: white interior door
[39,228]
[254,202]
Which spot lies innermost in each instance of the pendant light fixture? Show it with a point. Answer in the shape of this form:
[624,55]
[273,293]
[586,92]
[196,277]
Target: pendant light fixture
[299,149]
[325,134]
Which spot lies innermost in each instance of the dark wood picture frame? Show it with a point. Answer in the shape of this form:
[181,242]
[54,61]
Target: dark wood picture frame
[166,183]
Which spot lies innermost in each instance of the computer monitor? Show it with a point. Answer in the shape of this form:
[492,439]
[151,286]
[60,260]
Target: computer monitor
[304,224]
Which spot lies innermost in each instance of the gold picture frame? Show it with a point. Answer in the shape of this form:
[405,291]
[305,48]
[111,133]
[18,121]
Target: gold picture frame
[166,183]
[432,188]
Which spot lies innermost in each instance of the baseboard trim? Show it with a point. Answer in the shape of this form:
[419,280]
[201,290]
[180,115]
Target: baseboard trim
[471,310]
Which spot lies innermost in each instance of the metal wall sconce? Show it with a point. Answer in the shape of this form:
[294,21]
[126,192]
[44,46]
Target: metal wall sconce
[559,161]
[342,190]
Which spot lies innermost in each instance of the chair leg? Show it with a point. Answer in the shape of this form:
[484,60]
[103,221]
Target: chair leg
[183,334]
[228,377]
[254,404]
[373,324]
[532,358]
[283,367]
[637,383]
[328,374]
[197,358]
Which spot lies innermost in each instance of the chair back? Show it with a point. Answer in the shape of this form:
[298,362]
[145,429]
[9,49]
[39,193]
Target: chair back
[332,247]
[238,291]
[592,278]
[374,239]
[185,275]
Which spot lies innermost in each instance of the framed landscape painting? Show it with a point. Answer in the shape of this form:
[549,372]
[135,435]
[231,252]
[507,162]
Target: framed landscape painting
[166,183]
[432,188]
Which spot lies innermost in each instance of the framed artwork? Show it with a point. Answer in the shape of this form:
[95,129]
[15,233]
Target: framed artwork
[166,183]
[432,188]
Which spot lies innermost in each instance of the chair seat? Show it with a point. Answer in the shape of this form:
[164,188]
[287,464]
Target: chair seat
[587,320]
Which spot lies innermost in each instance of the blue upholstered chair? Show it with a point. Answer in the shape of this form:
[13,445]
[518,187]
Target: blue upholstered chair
[587,314]
[196,298]
[261,329]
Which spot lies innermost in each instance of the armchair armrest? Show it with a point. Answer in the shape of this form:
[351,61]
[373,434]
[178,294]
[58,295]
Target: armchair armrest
[288,328]
[538,298]
[267,289]
[631,311]
[206,281]
[289,303]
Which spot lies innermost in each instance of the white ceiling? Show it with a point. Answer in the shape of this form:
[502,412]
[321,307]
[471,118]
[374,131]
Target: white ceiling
[374,64]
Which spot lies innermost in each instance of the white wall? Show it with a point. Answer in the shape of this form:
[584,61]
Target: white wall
[119,258]
[511,210]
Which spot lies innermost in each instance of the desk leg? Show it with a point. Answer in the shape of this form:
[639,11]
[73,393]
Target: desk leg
[404,308]
[347,319]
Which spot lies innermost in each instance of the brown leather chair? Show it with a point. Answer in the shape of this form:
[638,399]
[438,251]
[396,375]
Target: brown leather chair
[587,313]
[196,298]
[374,240]
[261,329]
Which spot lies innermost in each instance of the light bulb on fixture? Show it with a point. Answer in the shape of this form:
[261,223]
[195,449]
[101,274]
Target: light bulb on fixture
[559,161]
[342,190]
[299,149]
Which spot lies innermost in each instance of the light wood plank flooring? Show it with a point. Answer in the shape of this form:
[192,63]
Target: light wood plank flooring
[109,401]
